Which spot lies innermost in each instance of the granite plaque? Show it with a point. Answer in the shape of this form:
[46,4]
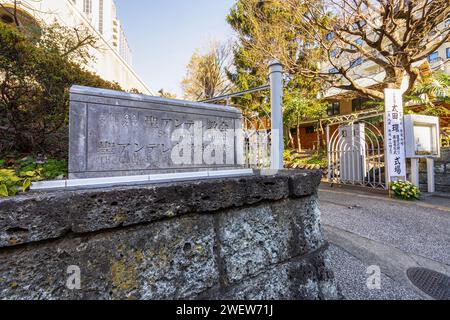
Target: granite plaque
[121,134]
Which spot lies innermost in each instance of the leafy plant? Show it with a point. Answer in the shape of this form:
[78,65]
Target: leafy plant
[405,190]
[432,92]
[54,168]
[9,182]
[23,172]
[445,138]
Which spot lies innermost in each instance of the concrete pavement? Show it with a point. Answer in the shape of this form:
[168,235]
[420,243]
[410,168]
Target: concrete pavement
[366,228]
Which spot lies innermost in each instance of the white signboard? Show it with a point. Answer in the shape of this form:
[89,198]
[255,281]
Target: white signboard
[394,134]
[421,136]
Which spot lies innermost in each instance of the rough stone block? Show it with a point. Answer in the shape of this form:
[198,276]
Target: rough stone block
[254,238]
[168,260]
[236,238]
[309,278]
[439,167]
[40,216]
[300,186]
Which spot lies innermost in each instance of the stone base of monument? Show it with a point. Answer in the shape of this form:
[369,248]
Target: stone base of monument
[254,237]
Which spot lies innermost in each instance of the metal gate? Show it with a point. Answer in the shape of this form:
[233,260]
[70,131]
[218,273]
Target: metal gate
[256,132]
[356,154]
[257,142]
[261,147]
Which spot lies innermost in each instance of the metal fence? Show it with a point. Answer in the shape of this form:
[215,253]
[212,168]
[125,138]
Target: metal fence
[356,154]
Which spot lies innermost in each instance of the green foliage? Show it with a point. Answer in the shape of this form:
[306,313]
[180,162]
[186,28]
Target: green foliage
[37,72]
[298,107]
[53,169]
[292,159]
[9,182]
[445,138]
[263,36]
[23,172]
[432,92]
[405,190]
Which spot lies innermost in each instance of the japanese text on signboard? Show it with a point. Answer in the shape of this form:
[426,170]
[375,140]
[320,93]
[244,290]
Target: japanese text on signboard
[395,138]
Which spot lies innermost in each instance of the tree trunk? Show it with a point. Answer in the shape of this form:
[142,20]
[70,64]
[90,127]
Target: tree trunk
[299,142]
[291,139]
[322,142]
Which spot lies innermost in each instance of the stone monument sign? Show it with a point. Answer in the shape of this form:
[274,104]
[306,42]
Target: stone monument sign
[121,134]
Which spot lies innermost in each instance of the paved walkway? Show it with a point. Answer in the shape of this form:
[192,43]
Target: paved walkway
[368,229]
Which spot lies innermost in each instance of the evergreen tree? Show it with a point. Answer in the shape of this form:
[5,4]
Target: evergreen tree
[264,34]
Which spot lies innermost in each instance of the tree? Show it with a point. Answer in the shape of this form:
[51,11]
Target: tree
[262,37]
[36,74]
[165,94]
[206,74]
[395,35]
[298,109]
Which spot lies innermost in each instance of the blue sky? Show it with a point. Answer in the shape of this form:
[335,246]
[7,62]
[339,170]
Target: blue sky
[163,34]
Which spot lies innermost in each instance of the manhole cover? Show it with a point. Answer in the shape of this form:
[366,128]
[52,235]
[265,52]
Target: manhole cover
[434,284]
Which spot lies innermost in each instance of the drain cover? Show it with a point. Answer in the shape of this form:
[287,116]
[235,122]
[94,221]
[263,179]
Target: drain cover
[434,284]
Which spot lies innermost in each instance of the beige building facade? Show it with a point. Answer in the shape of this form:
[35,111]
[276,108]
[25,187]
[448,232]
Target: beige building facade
[113,57]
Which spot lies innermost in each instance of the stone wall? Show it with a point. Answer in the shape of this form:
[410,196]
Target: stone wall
[255,237]
[441,170]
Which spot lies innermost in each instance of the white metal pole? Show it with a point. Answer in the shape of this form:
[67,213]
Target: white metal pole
[276,102]
[329,153]
[430,175]
[415,171]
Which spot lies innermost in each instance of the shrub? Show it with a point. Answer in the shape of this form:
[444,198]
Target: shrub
[9,182]
[20,175]
[36,75]
[405,190]
[293,159]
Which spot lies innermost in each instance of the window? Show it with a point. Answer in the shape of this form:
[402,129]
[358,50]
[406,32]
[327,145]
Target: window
[87,6]
[100,16]
[330,36]
[359,104]
[433,57]
[333,71]
[358,24]
[448,53]
[334,109]
[447,23]
[356,62]
[359,41]
[310,130]
[334,53]
[6,18]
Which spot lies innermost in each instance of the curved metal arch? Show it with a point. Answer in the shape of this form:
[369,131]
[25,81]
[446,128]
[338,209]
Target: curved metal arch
[356,159]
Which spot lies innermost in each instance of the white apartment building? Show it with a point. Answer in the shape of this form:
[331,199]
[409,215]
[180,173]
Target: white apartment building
[369,74]
[113,58]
